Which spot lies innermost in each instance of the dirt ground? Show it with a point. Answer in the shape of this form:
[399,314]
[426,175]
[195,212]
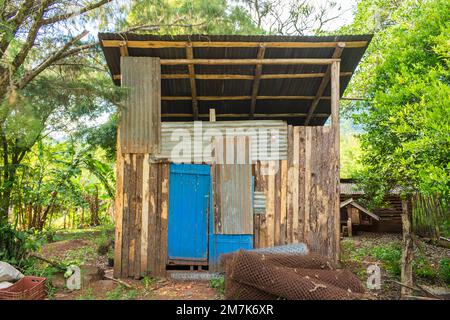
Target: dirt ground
[367,248]
[357,254]
[145,289]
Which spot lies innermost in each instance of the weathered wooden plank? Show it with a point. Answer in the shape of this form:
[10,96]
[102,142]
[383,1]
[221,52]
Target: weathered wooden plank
[138,215]
[132,221]
[277,207]
[118,211]
[270,205]
[283,208]
[145,213]
[153,211]
[164,217]
[127,177]
[300,184]
[140,119]
[290,186]
[335,94]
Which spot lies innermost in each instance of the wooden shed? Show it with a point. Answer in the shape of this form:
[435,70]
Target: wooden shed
[226,142]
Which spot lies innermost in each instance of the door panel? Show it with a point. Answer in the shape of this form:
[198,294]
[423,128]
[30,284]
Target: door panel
[188,212]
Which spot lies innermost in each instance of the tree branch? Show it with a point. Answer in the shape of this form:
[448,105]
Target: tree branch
[51,59]
[73,14]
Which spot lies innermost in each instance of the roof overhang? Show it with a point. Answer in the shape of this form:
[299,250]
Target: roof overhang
[242,77]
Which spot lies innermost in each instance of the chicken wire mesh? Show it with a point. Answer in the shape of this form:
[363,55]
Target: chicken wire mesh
[264,276]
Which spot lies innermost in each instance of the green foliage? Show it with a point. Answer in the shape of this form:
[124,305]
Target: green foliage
[15,245]
[218,284]
[444,270]
[350,152]
[405,78]
[189,17]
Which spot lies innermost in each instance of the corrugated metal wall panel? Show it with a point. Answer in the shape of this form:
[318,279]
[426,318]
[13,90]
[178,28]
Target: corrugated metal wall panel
[268,139]
[141,118]
[259,202]
[234,203]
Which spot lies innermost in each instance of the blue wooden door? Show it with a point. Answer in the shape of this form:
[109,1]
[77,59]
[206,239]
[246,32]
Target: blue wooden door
[188,211]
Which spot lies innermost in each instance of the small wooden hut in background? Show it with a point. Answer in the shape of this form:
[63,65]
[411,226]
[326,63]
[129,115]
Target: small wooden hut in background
[275,93]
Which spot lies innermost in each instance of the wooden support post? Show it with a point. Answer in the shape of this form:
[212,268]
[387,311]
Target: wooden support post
[335,219]
[349,227]
[190,55]
[255,88]
[324,83]
[212,115]
[408,247]
[123,48]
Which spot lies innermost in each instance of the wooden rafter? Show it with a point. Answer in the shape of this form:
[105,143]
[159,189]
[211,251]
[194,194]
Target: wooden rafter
[218,98]
[224,44]
[323,84]
[243,76]
[293,61]
[190,55]
[257,78]
[245,115]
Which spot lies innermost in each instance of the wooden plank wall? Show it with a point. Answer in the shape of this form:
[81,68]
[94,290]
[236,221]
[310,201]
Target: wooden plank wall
[302,196]
[141,229]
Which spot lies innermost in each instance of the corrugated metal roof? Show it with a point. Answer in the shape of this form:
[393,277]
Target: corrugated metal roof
[268,87]
[350,188]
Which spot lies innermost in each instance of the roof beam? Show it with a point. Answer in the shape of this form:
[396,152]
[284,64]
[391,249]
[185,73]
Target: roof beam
[190,55]
[257,78]
[245,115]
[148,44]
[323,84]
[243,76]
[218,98]
[309,61]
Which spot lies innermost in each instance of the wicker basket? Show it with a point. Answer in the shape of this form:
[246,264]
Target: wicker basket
[27,288]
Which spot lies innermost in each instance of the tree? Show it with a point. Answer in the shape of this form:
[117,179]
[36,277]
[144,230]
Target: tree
[406,115]
[188,17]
[40,82]
[297,17]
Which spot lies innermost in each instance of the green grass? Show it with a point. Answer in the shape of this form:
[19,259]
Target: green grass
[444,270]
[94,233]
[86,295]
[121,293]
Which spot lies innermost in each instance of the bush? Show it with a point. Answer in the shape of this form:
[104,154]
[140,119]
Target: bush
[15,245]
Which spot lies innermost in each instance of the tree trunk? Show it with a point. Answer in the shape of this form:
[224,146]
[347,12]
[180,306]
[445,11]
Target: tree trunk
[408,247]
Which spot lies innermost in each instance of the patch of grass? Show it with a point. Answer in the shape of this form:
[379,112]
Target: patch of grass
[116,293]
[147,282]
[121,293]
[218,284]
[79,256]
[85,233]
[389,255]
[86,295]
[444,270]
[423,269]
